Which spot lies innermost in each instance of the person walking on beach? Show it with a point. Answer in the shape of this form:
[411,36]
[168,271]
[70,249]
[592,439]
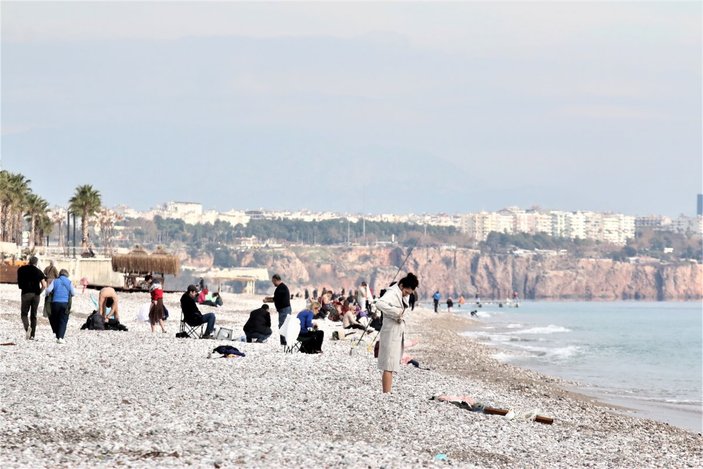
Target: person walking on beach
[51,273]
[436,298]
[156,310]
[31,281]
[450,303]
[281,300]
[392,336]
[62,291]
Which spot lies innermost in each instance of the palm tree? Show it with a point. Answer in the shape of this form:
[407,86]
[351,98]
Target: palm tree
[35,208]
[44,228]
[58,216]
[86,202]
[14,189]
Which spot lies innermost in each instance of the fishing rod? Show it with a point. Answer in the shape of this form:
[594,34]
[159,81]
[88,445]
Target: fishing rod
[351,350]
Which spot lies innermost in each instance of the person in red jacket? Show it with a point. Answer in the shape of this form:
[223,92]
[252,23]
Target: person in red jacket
[156,311]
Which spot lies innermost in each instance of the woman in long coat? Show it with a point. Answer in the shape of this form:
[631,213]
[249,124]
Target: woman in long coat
[392,336]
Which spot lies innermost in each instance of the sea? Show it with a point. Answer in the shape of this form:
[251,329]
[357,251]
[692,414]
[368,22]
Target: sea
[644,356]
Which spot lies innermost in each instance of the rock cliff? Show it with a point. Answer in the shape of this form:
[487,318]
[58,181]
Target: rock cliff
[455,271]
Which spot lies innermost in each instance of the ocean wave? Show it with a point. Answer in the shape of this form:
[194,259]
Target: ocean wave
[503,357]
[513,326]
[555,353]
[550,329]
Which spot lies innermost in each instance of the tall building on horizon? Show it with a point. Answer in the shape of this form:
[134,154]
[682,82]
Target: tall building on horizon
[699,207]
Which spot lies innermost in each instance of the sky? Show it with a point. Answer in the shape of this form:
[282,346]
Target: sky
[361,107]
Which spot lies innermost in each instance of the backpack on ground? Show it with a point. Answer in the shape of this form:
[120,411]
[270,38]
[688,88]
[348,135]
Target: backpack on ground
[94,322]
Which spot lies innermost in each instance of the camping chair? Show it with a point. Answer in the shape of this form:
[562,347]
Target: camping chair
[195,332]
[290,331]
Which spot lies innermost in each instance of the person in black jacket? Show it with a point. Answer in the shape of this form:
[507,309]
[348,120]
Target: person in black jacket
[32,282]
[193,316]
[259,325]
[281,300]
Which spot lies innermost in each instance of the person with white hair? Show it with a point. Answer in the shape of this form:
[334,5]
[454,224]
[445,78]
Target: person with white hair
[62,291]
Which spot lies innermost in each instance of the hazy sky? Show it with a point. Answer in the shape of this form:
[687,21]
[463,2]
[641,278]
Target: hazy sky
[359,107]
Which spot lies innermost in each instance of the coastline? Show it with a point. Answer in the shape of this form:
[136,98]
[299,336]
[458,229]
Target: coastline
[110,398]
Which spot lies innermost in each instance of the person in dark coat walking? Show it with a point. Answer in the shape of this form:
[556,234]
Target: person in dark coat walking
[32,282]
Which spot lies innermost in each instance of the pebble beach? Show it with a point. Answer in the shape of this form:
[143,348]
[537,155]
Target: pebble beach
[108,398]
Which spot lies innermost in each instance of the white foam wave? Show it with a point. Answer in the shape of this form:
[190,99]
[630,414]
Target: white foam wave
[503,357]
[550,329]
[556,353]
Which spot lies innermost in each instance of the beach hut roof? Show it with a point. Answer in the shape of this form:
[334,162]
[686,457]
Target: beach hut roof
[138,261]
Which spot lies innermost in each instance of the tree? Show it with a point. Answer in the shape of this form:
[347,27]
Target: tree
[36,209]
[58,216]
[14,190]
[86,202]
[106,223]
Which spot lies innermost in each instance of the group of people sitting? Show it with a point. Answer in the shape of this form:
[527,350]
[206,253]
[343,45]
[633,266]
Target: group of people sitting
[330,306]
[258,328]
[350,310]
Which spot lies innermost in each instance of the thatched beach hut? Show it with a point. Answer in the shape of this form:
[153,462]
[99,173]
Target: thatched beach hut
[138,263]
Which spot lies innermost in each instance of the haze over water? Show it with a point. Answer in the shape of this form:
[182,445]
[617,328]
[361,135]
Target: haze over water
[644,356]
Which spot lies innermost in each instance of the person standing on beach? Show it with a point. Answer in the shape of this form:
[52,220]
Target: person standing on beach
[364,296]
[31,281]
[392,336]
[62,291]
[156,310]
[436,298]
[281,300]
[450,303]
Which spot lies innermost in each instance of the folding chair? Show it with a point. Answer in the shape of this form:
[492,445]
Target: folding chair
[290,331]
[195,332]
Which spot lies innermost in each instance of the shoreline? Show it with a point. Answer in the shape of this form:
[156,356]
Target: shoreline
[680,409]
[111,398]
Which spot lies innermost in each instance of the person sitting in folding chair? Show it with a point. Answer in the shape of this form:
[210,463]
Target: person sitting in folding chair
[192,315]
[310,338]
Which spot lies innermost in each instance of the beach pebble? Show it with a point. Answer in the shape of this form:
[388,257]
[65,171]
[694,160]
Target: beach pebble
[143,400]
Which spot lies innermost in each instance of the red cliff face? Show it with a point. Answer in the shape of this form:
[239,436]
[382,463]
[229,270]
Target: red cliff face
[455,271]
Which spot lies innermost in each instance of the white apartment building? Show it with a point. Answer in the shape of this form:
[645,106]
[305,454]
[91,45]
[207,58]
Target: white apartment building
[617,228]
[687,225]
[576,225]
[613,228]
[178,209]
[655,222]
[559,224]
[542,223]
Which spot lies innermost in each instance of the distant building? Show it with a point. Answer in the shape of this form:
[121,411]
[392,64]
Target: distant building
[699,207]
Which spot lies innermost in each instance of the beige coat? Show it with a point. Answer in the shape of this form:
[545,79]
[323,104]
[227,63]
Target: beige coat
[392,334]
